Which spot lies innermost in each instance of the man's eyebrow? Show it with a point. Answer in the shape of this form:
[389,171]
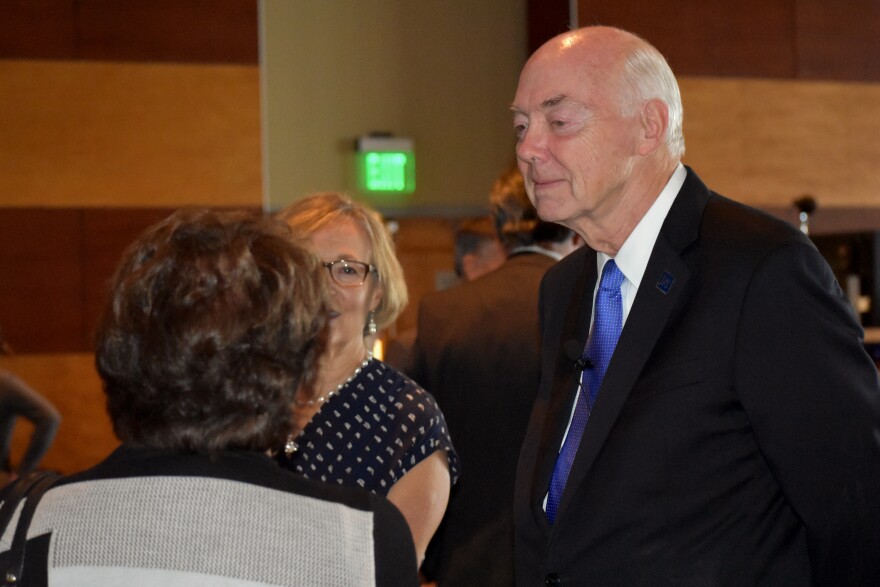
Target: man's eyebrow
[554,101]
[546,104]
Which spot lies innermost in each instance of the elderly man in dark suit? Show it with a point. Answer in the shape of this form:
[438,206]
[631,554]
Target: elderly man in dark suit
[477,352]
[719,422]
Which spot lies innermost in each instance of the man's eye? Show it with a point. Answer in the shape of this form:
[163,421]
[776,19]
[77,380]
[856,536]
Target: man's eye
[519,129]
[557,123]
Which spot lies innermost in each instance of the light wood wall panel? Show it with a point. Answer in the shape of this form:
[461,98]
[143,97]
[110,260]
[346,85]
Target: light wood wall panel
[129,134]
[426,249]
[71,383]
[767,142]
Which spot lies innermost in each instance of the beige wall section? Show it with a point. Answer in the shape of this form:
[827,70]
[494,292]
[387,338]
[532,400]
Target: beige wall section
[71,383]
[129,134]
[441,72]
[767,142]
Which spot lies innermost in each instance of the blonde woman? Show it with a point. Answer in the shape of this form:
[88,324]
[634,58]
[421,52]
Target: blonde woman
[359,422]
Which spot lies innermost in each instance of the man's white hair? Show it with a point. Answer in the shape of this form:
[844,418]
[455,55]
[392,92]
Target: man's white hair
[647,76]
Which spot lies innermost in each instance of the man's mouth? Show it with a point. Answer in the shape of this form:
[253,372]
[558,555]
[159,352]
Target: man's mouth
[543,183]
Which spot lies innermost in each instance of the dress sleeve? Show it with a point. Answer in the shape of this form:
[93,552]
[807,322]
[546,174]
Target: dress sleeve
[426,425]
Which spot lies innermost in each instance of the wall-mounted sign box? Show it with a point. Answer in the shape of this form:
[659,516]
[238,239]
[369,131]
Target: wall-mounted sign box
[386,164]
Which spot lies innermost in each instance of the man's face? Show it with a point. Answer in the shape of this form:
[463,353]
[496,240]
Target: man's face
[574,149]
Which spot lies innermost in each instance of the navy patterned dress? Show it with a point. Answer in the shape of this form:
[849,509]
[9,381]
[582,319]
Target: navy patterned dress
[378,427]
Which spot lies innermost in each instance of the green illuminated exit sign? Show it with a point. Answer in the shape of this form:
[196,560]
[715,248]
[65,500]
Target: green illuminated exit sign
[386,164]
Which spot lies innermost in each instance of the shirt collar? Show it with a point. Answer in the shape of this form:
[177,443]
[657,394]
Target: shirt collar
[536,249]
[632,258]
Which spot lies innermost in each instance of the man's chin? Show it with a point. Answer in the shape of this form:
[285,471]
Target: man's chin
[549,211]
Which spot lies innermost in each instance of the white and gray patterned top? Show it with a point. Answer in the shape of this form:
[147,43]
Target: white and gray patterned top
[378,427]
[233,520]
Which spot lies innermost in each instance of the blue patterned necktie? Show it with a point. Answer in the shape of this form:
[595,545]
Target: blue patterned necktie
[600,346]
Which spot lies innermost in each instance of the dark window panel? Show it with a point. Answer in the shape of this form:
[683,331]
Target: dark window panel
[56,266]
[748,38]
[839,40]
[37,29]
[546,19]
[168,30]
[107,233]
[195,31]
[41,279]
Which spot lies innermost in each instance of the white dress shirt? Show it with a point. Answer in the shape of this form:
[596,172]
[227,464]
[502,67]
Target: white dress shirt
[632,258]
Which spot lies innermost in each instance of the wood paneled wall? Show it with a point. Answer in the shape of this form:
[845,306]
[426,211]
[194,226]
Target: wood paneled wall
[425,247]
[766,142]
[546,18]
[781,98]
[178,31]
[55,267]
[89,133]
[117,111]
[794,39]
[70,382]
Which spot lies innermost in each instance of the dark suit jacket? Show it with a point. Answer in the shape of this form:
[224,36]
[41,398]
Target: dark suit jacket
[736,437]
[477,353]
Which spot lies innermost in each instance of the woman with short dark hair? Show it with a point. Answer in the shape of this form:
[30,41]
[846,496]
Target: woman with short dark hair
[214,320]
[212,323]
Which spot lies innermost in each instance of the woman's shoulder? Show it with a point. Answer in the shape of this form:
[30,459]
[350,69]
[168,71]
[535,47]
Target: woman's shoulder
[404,398]
[420,414]
[400,387]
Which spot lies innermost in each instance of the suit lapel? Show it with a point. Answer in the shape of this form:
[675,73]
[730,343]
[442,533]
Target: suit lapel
[664,283]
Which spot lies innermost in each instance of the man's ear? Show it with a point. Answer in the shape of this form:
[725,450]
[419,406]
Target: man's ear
[655,121]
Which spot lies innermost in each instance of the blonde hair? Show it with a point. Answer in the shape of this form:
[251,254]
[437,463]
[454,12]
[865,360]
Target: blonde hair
[316,211]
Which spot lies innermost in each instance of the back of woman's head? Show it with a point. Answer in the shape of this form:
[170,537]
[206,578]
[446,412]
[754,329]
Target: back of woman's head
[214,318]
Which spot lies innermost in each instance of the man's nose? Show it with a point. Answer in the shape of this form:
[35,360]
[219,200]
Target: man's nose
[529,146]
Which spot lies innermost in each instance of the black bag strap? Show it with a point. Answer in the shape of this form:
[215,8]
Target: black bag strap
[12,495]
[31,488]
